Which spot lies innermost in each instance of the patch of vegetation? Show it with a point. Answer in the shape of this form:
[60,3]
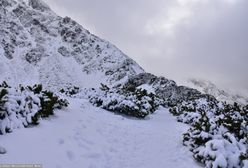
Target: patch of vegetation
[70,90]
[24,106]
[131,102]
[48,103]
[218,136]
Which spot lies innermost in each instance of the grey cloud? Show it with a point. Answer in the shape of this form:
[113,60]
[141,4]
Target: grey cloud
[216,48]
[210,44]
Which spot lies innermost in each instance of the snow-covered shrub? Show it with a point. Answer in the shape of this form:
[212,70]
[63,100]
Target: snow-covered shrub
[23,106]
[70,90]
[223,151]
[48,102]
[17,107]
[137,103]
[218,136]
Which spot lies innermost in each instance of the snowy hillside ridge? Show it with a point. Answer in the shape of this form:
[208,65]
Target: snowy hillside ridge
[164,88]
[208,87]
[46,48]
[24,106]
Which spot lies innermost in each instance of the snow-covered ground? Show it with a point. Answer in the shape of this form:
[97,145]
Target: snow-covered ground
[84,136]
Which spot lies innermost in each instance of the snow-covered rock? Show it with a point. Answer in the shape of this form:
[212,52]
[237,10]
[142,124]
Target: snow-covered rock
[164,88]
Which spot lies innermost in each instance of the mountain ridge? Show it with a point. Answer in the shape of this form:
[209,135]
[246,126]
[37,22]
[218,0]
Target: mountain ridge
[207,87]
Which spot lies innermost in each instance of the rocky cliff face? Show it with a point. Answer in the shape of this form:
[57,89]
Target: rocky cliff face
[36,45]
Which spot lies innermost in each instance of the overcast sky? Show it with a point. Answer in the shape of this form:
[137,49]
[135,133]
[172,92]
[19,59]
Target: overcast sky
[178,39]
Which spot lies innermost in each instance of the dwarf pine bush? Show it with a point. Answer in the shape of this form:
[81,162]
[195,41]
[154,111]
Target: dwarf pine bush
[24,106]
[218,136]
[137,103]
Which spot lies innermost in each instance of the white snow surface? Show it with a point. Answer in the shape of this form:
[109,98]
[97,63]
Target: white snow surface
[88,137]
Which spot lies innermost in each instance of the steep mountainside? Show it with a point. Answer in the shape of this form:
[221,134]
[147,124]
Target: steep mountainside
[37,46]
[208,87]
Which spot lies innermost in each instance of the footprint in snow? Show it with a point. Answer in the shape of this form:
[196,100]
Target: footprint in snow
[61,141]
[2,150]
[70,155]
[82,145]
[88,142]
[92,155]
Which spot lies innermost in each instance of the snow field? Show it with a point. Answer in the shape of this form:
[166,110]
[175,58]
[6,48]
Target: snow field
[89,137]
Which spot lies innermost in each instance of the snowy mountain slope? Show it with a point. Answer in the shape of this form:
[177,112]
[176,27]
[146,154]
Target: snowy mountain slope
[37,46]
[99,139]
[208,87]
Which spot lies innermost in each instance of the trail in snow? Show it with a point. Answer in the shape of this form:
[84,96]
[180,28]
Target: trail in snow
[87,137]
